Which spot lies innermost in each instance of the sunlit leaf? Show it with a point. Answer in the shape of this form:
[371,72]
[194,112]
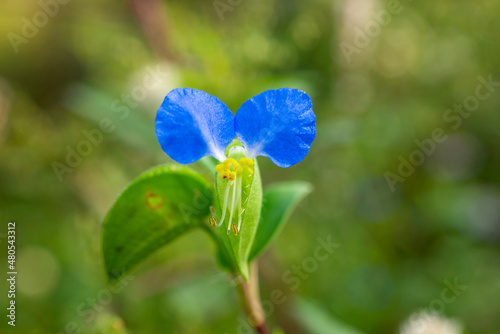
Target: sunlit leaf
[317,320]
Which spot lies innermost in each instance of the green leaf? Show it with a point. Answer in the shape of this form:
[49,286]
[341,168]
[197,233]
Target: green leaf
[155,209]
[279,202]
[318,321]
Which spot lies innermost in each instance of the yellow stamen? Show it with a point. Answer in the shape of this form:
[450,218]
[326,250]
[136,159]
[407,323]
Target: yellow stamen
[224,174]
[213,222]
[231,161]
[246,162]
[235,230]
[220,167]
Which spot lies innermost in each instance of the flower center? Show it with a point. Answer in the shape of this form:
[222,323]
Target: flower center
[233,173]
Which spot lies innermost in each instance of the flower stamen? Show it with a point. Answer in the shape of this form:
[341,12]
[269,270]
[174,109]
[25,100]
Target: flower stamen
[246,162]
[213,221]
[233,172]
[231,212]
[224,207]
[239,205]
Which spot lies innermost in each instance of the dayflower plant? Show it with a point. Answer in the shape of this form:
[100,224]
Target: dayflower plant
[170,200]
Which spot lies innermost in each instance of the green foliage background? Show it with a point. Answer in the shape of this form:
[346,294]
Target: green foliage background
[396,248]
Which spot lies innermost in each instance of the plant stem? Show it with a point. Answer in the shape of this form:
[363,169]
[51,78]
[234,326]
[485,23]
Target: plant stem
[250,299]
[248,291]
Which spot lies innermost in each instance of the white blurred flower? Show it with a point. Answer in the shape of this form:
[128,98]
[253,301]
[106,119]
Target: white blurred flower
[148,86]
[424,322]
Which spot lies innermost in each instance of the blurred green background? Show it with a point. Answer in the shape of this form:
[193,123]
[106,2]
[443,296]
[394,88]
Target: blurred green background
[87,61]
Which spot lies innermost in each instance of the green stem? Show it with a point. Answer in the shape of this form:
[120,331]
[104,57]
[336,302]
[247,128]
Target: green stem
[249,291]
[250,300]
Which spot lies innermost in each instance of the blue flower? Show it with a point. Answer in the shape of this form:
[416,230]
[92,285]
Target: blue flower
[279,124]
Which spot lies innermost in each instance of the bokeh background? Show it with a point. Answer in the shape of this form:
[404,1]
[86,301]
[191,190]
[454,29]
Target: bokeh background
[399,248]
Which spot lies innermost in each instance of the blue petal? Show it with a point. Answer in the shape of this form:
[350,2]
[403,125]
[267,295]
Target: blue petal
[191,124]
[279,124]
